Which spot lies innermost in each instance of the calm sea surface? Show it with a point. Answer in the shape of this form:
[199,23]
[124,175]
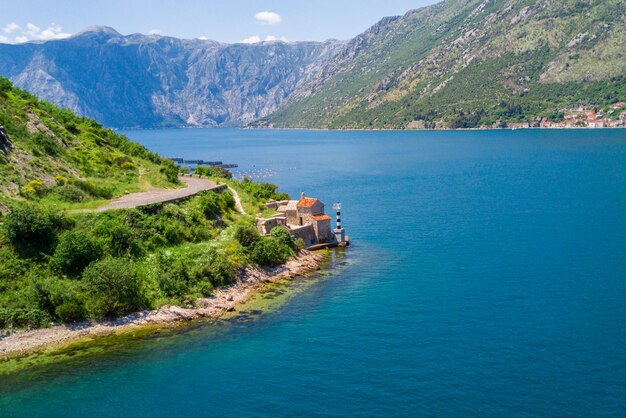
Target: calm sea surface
[487,278]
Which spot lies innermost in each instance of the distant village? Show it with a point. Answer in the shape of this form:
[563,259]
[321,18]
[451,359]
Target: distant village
[580,117]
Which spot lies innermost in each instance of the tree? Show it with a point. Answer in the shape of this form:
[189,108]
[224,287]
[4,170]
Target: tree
[30,231]
[283,235]
[247,235]
[112,288]
[74,253]
[270,251]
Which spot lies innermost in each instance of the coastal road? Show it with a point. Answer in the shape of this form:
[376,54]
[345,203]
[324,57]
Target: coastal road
[134,200]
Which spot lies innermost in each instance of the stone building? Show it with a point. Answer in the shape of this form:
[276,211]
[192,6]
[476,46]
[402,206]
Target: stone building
[305,218]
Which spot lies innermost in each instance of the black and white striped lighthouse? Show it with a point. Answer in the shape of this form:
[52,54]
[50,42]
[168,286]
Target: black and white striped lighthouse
[340,233]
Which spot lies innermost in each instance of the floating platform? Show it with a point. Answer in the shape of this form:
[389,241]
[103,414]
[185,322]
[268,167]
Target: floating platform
[180,160]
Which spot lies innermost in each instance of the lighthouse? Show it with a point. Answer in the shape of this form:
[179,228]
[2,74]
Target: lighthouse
[340,233]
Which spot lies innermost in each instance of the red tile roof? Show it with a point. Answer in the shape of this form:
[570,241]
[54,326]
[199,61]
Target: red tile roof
[307,202]
[321,218]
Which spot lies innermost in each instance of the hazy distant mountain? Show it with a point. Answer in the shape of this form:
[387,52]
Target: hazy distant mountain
[462,63]
[459,63]
[148,81]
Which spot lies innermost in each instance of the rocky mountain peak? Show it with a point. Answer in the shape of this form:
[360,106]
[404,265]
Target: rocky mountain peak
[100,29]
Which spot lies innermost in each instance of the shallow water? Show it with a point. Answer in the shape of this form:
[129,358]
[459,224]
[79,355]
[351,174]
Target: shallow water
[487,277]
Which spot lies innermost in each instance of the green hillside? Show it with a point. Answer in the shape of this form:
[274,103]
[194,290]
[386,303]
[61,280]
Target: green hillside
[62,262]
[466,63]
[55,157]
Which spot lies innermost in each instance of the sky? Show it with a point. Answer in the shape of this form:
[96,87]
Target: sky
[224,20]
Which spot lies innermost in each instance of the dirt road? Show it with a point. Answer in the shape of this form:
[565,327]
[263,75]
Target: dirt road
[134,200]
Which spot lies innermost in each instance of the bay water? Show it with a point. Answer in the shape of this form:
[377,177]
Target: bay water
[487,277]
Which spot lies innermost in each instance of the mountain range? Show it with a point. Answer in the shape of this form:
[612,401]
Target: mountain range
[466,63]
[151,81]
[458,63]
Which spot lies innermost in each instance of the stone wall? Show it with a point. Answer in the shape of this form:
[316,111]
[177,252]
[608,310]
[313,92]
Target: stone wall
[306,232]
[265,225]
[323,231]
[276,204]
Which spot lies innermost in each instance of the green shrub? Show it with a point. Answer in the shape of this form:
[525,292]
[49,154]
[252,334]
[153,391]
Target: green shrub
[93,189]
[70,193]
[214,204]
[45,144]
[129,166]
[210,205]
[174,281]
[262,191]
[74,252]
[57,297]
[23,318]
[170,171]
[71,311]
[283,235]
[212,171]
[119,238]
[30,231]
[228,201]
[34,188]
[5,85]
[214,268]
[270,251]
[174,233]
[247,235]
[112,288]
[300,244]
[222,272]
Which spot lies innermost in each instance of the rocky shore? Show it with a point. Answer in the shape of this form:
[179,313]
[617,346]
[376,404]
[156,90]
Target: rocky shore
[225,300]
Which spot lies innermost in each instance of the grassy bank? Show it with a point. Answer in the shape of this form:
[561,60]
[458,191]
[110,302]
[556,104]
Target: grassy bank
[61,263]
[64,267]
[252,302]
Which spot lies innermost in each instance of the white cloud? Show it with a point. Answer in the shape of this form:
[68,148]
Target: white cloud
[34,32]
[272,38]
[254,39]
[268,18]
[203,38]
[4,40]
[32,29]
[12,27]
[53,32]
[154,32]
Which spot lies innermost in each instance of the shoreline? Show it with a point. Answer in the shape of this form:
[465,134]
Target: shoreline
[264,128]
[25,342]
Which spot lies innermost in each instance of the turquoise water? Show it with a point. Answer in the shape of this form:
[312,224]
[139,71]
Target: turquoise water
[487,278]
